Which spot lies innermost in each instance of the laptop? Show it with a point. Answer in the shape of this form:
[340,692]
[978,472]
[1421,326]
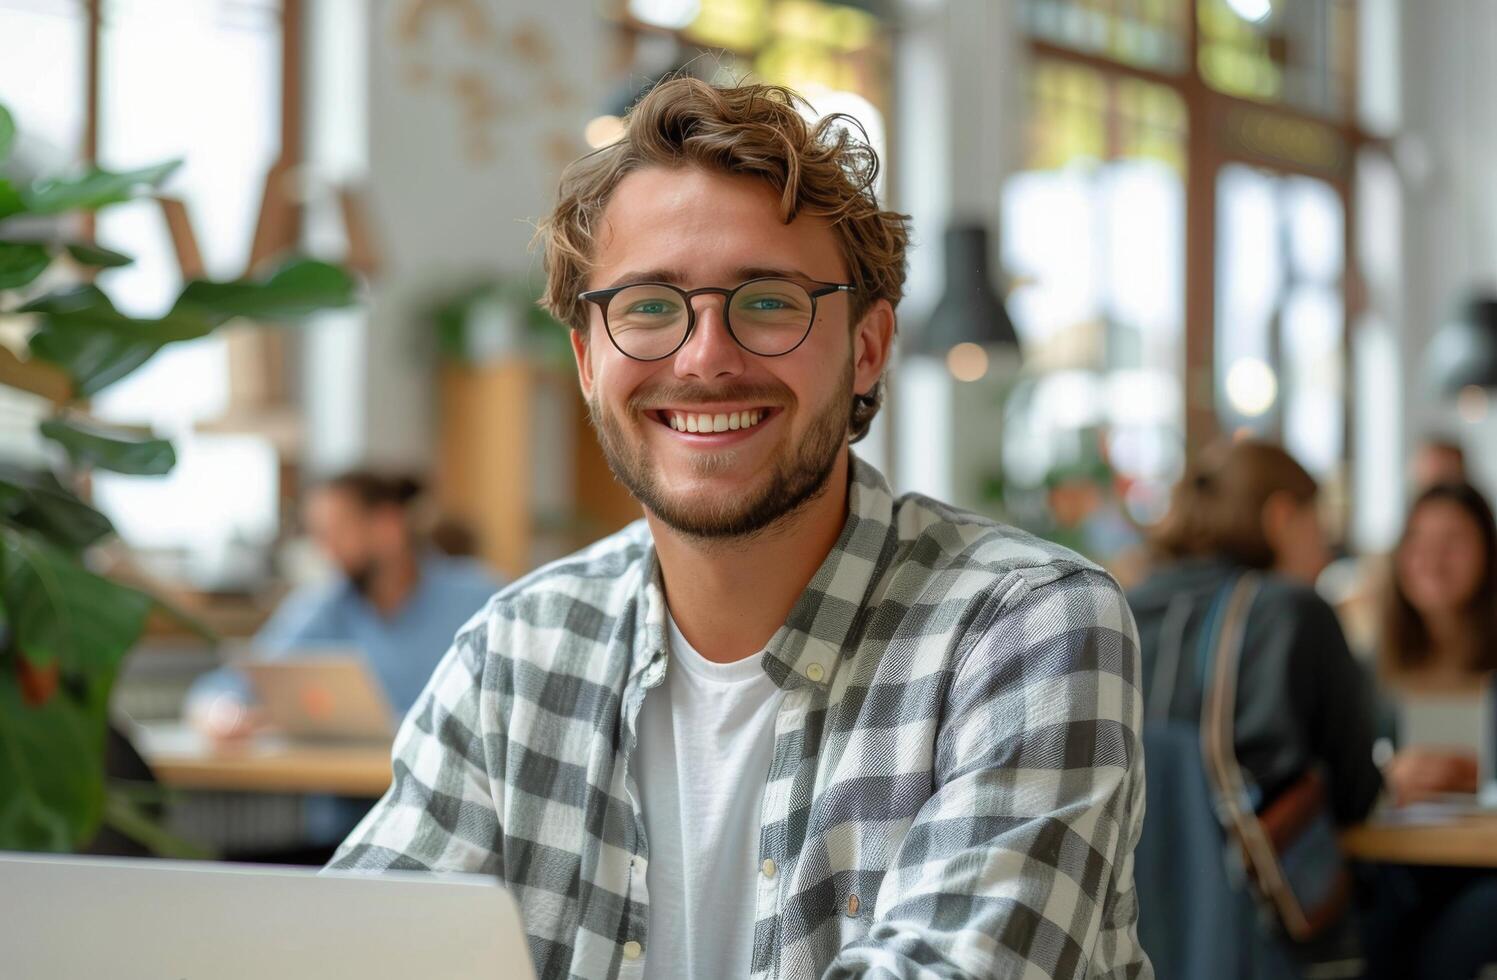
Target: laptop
[321,696]
[132,919]
[1449,722]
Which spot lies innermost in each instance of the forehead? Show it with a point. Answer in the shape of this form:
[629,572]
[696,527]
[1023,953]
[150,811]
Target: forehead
[702,226]
[1441,514]
[331,502]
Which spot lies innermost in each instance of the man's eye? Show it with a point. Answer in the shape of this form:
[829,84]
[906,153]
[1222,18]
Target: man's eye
[652,308]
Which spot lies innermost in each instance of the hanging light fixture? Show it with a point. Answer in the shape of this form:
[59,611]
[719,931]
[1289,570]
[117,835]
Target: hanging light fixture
[1461,359]
[970,318]
[1464,353]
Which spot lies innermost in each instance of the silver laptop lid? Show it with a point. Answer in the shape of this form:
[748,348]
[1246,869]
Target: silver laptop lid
[175,920]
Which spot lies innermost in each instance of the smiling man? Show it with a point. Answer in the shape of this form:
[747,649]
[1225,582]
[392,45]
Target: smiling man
[788,725]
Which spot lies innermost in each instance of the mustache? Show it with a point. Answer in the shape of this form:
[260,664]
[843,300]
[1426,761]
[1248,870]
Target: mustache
[683,394]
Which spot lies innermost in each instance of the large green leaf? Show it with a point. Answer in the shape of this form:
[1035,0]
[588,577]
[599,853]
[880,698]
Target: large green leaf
[52,764]
[121,452]
[71,300]
[161,330]
[97,346]
[7,133]
[33,499]
[85,253]
[92,190]
[21,262]
[10,199]
[297,288]
[93,359]
[63,613]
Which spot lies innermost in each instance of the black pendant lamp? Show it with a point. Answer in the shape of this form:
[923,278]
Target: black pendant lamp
[1464,352]
[970,310]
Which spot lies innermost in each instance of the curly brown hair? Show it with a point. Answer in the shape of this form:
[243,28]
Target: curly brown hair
[818,168]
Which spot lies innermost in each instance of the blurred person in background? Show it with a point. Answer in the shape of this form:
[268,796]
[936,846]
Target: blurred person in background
[1438,637]
[1302,699]
[1438,460]
[1439,621]
[1440,617]
[1302,703]
[395,598]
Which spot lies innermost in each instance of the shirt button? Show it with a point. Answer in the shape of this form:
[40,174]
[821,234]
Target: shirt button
[852,905]
[816,672]
[768,867]
[632,950]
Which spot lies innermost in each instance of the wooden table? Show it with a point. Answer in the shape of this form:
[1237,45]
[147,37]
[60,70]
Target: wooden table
[1465,840]
[182,758]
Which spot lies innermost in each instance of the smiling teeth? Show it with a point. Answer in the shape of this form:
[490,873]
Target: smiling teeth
[720,422]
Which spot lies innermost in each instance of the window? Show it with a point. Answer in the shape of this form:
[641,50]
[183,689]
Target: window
[42,79]
[1094,237]
[834,54]
[1148,33]
[225,125]
[195,79]
[1279,314]
[1299,54]
[43,74]
[1180,226]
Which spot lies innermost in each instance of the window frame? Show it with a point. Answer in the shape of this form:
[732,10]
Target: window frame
[1210,146]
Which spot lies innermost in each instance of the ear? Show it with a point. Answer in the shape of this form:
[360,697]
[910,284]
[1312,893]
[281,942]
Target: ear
[872,342]
[582,351]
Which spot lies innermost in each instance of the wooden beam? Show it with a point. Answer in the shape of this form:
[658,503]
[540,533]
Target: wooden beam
[88,223]
[36,377]
[184,239]
[363,253]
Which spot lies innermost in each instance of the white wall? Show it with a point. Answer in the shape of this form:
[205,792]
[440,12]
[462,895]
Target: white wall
[1448,156]
[470,109]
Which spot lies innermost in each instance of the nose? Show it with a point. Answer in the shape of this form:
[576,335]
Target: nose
[710,352]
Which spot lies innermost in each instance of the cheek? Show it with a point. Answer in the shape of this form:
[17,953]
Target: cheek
[1468,569]
[1413,572]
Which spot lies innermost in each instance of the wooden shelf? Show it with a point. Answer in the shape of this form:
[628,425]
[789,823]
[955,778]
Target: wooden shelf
[519,463]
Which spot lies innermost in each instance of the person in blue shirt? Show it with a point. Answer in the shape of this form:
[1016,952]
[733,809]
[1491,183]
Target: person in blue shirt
[395,599]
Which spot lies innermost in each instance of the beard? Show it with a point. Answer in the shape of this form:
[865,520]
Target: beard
[361,577]
[796,478]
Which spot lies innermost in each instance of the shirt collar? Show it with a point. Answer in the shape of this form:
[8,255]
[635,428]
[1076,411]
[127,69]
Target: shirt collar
[815,635]
[808,647]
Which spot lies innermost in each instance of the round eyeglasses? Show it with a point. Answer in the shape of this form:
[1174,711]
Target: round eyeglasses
[770,317]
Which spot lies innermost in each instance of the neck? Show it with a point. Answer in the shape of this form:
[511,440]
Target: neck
[1450,641]
[728,597]
[394,581]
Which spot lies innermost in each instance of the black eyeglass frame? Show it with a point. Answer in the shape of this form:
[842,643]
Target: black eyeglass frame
[814,288]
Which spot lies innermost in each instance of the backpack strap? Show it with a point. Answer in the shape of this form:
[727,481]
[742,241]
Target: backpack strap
[1218,749]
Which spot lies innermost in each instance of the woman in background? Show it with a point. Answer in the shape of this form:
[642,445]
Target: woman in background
[1302,704]
[1440,617]
[1439,623]
[1302,700]
[1439,637]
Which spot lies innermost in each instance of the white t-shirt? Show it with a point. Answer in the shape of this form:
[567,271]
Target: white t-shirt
[706,740]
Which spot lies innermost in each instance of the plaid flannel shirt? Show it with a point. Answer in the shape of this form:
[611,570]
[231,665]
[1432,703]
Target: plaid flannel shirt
[957,780]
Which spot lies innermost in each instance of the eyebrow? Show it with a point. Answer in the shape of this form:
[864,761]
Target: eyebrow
[673,276]
[676,277]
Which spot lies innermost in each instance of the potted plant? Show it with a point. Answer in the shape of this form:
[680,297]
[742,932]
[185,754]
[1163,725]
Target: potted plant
[64,629]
